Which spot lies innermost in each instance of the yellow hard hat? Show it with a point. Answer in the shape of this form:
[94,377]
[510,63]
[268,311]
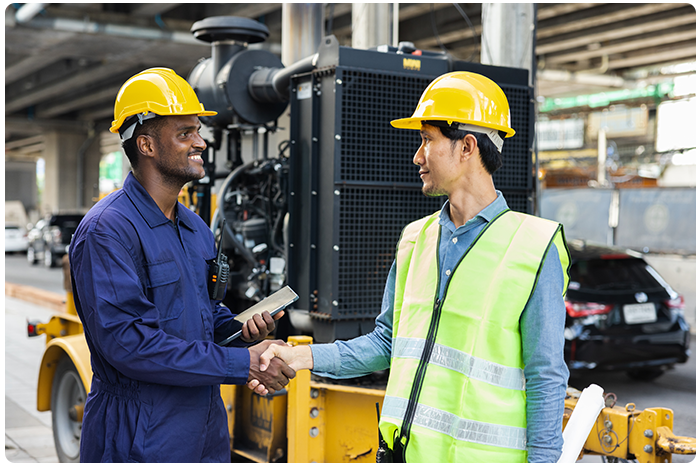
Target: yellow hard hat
[155,92]
[464,100]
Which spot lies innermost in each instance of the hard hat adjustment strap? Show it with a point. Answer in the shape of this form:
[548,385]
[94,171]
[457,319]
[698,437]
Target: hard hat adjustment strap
[491,133]
[139,119]
[495,136]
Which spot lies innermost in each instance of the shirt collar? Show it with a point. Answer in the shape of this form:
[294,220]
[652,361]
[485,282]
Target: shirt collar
[488,213]
[148,208]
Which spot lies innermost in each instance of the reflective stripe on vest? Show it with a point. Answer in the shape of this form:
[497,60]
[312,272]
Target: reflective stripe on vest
[470,404]
[453,359]
[458,428]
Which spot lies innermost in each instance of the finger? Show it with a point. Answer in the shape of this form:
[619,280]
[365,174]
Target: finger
[269,322]
[245,332]
[257,326]
[278,315]
[261,390]
[267,356]
[288,372]
[252,384]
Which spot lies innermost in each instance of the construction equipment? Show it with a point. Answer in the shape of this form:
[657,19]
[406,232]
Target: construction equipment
[323,216]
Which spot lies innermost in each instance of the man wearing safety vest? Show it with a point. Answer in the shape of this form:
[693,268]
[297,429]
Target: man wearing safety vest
[472,321]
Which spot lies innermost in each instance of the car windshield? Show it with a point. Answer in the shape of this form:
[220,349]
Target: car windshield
[614,274]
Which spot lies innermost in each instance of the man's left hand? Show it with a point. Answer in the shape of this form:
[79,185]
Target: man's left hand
[259,326]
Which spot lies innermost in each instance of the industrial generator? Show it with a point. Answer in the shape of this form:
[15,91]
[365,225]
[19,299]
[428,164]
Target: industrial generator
[325,215]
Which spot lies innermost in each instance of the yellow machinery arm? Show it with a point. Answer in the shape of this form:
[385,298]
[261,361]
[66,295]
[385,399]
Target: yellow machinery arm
[627,433]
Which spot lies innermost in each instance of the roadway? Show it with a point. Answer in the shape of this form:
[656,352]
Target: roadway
[28,436]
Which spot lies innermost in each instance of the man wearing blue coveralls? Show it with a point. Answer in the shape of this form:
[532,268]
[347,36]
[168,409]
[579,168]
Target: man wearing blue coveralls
[139,269]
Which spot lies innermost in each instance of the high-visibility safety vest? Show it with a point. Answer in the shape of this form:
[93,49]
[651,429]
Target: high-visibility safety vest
[456,390]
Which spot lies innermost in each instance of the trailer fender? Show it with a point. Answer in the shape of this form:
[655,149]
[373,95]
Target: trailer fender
[74,347]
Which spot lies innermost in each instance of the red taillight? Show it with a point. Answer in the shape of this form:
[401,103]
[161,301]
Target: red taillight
[615,256]
[677,303]
[581,309]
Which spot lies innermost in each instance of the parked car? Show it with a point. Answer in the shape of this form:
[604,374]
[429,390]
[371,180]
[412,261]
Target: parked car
[50,237]
[621,314]
[15,239]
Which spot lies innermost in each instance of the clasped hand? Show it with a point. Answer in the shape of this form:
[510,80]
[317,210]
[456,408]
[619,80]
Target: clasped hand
[278,373]
[278,353]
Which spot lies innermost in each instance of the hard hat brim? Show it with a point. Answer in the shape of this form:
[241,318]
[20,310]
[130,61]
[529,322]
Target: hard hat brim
[116,125]
[415,123]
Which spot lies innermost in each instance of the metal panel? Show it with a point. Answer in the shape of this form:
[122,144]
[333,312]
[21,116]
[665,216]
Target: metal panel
[583,212]
[657,219]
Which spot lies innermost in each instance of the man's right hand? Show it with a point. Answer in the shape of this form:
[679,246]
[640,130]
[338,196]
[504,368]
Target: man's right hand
[298,358]
[276,375]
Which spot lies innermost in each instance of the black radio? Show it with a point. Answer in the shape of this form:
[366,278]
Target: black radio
[218,270]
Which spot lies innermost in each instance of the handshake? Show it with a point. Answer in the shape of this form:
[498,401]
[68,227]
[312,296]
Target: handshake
[273,363]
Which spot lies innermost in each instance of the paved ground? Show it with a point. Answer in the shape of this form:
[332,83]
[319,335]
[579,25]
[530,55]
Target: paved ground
[28,434]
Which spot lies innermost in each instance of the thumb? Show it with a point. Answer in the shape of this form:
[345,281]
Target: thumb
[267,356]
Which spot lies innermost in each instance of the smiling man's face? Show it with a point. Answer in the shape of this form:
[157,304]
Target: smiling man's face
[180,148]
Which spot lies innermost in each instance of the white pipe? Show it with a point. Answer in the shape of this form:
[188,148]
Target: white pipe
[29,11]
[581,422]
[120,30]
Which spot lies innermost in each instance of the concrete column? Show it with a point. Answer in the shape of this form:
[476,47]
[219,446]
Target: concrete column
[508,35]
[61,171]
[20,182]
[371,24]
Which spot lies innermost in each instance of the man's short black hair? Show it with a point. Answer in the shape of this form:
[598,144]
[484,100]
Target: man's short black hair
[490,157]
[149,127]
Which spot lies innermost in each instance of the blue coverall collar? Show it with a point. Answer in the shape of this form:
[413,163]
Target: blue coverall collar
[148,208]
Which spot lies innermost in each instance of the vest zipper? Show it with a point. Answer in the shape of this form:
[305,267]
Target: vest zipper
[423,365]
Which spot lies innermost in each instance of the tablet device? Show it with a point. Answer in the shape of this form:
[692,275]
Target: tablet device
[275,303]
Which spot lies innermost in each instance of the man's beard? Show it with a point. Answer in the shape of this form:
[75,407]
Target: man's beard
[176,175]
[432,191]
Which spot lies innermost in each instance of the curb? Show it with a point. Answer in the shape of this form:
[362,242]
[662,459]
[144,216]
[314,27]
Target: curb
[37,296]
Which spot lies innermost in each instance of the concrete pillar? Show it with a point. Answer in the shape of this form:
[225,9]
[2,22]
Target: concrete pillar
[61,184]
[20,182]
[508,35]
[371,24]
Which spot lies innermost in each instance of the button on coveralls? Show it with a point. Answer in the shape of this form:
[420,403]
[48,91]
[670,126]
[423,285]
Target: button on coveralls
[140,289]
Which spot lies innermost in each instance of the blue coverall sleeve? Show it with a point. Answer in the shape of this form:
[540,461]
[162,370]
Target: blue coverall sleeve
[225,325]
[118,315]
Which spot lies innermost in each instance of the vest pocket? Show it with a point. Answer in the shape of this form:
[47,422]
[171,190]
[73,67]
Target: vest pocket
[163,289]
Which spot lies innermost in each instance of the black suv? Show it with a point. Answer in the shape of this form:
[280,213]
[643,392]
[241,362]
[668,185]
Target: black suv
[50,237]
[621,314]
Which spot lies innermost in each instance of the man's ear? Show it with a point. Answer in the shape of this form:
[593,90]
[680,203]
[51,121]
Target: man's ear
[145,145]
[470,147]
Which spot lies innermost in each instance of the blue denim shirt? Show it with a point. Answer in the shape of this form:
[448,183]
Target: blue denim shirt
[541,327]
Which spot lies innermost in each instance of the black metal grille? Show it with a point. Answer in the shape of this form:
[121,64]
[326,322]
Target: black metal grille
[372,150]
[373,155]
[515,172]
[371,220]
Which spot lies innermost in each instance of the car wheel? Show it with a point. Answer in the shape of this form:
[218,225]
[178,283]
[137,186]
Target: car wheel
[67,403]
[645,374]
[31,256]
